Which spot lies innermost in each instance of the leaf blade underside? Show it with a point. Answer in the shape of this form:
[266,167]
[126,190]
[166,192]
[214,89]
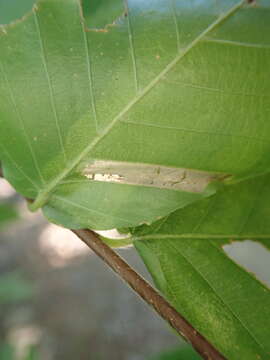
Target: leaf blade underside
[145,91]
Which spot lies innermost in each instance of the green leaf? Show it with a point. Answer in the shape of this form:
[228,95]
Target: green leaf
[11,10]
[184,254]
[170,85]
[101,14]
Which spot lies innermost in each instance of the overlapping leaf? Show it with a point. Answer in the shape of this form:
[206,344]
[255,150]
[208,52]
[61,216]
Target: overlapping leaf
[156,83]
[12,10]
[185,257]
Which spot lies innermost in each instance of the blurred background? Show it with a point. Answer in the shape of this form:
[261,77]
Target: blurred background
[59,301]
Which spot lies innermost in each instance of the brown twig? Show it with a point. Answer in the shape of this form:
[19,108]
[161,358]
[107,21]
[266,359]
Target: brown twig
[148,293]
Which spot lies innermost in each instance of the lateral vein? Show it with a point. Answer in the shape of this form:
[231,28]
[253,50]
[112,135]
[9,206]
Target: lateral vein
[43,196]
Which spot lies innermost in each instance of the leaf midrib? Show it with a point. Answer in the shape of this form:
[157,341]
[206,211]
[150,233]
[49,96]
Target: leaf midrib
[43,195]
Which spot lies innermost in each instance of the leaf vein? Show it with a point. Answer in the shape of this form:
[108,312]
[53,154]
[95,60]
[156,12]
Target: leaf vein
[20,118]
[87,208]
[90,78]
[236,43]
[17,166]
[132,48]
[209,132]
[43,196]
[177,33]
[44,62]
